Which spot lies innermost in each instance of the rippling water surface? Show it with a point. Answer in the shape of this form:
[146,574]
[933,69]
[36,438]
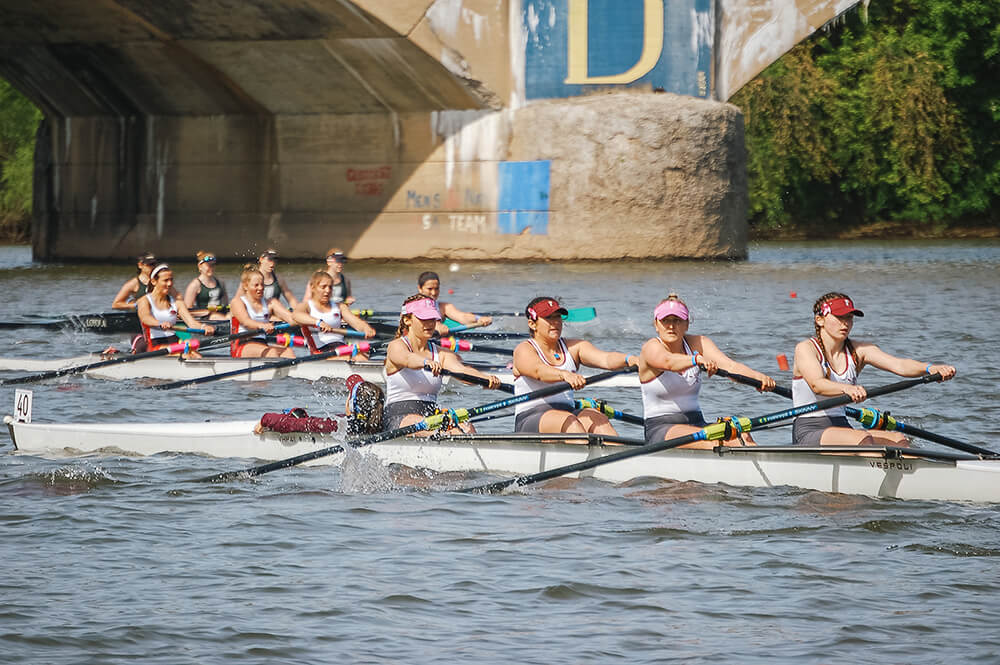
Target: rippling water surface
[114,559]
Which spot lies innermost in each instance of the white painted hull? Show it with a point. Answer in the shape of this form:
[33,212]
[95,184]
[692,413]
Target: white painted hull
[173,368]
[949,477]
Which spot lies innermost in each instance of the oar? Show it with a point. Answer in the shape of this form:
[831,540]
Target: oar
[429,423]
[343,350]
[876,419]
[714,432]
[468,378]
[454,344]
[463,328]
[577,315]
[79,369]
[609,411]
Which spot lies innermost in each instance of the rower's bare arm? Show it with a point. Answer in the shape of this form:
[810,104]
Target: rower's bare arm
[453,363]
[301,315]
[356,321]
[289,296]
[592,356]
[121,300]
[527,363]
[276,309]
[876,357]
[398,356]
[711,351]
[191,292]
[455,314]
[146,314]
[185,315]
[658,359]
[809,367]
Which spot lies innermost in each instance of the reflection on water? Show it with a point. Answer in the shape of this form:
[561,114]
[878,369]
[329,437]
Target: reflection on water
[115,559]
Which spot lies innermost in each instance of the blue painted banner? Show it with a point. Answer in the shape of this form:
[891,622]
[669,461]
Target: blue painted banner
[523,197]
[578,46]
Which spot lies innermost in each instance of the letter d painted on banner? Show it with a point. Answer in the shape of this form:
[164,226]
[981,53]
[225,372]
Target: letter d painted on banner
[652,44]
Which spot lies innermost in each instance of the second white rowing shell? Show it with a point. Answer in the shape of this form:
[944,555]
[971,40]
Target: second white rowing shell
[173,368]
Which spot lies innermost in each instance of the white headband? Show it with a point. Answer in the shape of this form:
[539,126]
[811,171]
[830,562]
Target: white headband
[159,268]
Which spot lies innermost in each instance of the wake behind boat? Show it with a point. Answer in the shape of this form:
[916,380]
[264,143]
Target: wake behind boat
[884,472]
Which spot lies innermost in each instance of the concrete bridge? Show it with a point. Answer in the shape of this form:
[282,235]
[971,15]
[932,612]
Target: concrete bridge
[393,128]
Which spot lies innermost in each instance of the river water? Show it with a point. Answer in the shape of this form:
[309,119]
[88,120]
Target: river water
[114,559]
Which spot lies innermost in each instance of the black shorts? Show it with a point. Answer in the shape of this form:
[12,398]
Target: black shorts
[809,431]
[395,412]
[528,421]
[657,426]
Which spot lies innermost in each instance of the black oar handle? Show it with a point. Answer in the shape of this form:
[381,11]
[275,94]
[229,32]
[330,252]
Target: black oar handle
[748,381]
[469,378]
[700,435]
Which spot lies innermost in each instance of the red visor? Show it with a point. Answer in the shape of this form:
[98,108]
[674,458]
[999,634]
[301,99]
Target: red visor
[840,307]
[545,308]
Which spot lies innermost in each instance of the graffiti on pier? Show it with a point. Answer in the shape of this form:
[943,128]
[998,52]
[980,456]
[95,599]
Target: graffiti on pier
[369,181]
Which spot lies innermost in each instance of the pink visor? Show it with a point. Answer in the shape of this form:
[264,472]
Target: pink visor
[424,309]
[670,308]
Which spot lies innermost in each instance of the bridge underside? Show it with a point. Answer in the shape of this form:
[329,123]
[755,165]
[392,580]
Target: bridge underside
[393,128]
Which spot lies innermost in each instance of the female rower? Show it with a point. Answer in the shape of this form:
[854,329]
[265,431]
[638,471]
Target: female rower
[828,364]
[670,369]
[429,284]
[138,286]
[252,312]
[158,311]
[413,367]
[206,294]
[275,286]
[548,358]
[326,317]
[335,260]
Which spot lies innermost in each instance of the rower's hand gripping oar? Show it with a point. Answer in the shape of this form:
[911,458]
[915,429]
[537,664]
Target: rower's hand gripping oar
[343,350]
[80,369]
[714,432]
[448,419]
[875,419]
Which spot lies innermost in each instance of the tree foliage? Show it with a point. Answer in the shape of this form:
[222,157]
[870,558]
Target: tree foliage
[19,120]
[891,118]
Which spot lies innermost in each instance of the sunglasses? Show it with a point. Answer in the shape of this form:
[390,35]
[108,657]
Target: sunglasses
[208,259]
[337,257]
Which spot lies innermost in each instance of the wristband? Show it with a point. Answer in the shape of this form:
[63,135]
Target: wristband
[694,359]
[927,370]
[627,356]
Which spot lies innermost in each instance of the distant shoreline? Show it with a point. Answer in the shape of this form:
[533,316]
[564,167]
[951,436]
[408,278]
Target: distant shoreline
[880,231]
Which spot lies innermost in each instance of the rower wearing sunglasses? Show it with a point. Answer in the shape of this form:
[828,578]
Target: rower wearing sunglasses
[206,294]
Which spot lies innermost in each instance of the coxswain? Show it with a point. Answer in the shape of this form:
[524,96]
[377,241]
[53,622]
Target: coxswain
[828,364]
[671,366]
[413,367]
[547,358]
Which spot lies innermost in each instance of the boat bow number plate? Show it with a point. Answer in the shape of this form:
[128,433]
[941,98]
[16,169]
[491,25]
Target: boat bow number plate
[22,406]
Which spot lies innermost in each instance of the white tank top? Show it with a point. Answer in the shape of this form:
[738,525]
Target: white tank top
[526,384]
[163,316]
[803,394]
[672,392]
[412,384]
[332,318]
[258,315]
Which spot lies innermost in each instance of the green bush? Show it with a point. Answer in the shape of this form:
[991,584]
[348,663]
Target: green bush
[19,120]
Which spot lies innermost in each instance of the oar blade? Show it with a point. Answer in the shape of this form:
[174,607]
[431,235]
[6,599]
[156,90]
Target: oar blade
[581,314]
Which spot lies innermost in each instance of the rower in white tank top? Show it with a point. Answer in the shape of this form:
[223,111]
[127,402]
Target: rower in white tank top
[405,385]
[163,316]
[672,392]
[802,394]
[261,315]
[526,384]
[333,319]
